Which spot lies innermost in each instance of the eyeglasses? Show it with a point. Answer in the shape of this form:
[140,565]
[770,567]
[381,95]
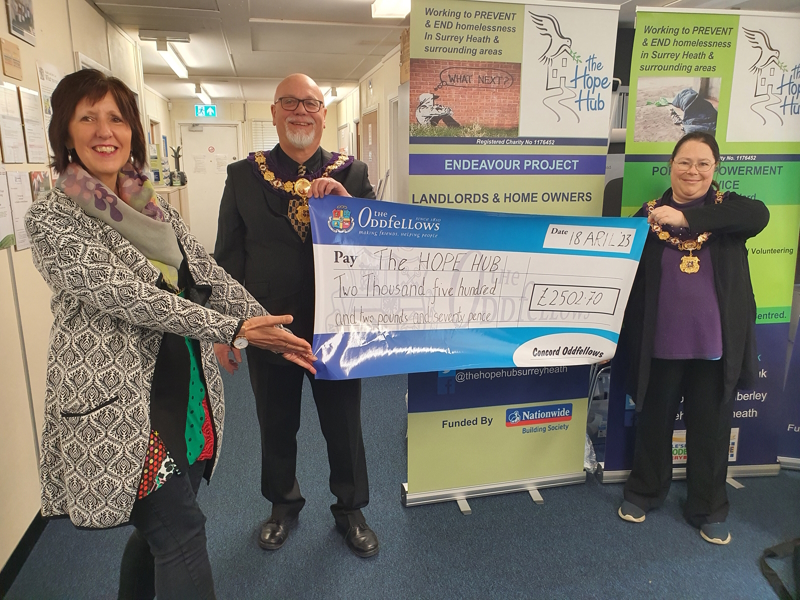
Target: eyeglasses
[311,105]
[702,166]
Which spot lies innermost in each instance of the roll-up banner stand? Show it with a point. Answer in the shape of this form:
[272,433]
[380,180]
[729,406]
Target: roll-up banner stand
[735,75]
[789,429]
[509,112]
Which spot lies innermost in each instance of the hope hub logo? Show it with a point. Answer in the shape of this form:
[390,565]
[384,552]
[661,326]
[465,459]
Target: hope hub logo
[340,220]
[517,417]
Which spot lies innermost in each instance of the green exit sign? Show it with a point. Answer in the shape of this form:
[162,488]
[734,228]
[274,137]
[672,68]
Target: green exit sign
[205,110]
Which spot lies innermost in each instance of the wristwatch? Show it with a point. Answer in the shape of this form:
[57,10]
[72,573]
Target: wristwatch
[240,341]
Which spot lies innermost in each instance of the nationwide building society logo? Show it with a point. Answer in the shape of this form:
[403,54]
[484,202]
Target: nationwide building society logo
[538,415]
[340,220]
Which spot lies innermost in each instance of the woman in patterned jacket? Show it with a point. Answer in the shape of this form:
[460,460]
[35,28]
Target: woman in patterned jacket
[134,407]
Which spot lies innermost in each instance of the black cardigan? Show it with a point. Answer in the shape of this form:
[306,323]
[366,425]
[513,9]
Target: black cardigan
[732,222]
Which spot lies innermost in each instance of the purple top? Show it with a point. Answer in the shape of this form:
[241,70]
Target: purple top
[688,323]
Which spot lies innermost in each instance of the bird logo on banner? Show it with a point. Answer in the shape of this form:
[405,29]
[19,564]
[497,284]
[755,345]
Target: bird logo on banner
[550,28]
[760,41]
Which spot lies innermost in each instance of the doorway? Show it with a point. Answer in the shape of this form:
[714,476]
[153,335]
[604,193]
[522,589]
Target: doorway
[207,151]
[369,140]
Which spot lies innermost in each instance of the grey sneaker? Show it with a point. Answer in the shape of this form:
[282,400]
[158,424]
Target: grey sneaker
[630,512]
[715,533]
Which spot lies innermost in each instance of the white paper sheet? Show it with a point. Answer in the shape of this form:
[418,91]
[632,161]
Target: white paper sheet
[35,140]
[7,238]
[13,141]
[199,164]
[19,188]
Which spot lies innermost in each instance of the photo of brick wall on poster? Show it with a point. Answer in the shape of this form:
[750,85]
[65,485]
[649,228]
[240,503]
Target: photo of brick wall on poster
[460,98]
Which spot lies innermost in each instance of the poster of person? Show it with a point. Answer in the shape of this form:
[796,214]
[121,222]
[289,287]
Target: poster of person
[667,108]
[20,20]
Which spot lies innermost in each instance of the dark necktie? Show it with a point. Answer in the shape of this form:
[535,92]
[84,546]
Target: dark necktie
[298,211]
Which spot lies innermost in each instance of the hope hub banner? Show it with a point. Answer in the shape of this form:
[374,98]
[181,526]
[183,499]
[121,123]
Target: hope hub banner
[402,289]
[735,75]
[510,105]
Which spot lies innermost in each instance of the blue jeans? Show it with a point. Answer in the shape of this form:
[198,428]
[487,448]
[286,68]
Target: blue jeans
[166,555]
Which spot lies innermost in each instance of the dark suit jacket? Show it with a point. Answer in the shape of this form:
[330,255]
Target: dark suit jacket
[257,245]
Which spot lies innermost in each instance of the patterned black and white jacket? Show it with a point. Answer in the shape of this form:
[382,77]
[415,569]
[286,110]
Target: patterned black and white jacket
[109,319]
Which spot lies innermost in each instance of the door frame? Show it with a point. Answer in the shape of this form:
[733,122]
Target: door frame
[394,133]
[369,111]
[239,132]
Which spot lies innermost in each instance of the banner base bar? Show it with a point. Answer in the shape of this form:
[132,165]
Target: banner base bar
[679,473]
[508,487]
[787,462]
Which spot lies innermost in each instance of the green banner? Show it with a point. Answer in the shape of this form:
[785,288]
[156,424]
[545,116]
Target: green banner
[738,78]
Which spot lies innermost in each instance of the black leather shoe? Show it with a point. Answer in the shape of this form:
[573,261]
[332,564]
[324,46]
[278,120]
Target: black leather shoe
[360,539]
[275,532]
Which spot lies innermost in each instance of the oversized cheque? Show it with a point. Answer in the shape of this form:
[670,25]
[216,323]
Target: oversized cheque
[401,289]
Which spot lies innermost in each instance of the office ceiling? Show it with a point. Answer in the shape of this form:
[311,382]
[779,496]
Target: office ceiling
[240,50]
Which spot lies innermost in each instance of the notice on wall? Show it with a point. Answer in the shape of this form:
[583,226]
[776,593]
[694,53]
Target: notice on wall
[11,136]
[221,162]
[7,238]
[199,164]
[12,61]
[35,139]
[495,87]
[49,76]
[417,289]
[19,189]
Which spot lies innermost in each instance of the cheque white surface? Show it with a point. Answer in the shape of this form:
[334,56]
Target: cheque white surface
[402,288]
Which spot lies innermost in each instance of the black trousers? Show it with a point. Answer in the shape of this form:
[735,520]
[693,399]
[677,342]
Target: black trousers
[166,555]
[708,430]
[278,389]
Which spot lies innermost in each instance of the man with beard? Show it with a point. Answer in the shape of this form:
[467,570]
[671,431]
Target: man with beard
[264,242]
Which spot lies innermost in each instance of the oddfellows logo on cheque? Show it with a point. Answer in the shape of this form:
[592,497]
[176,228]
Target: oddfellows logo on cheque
[340,220]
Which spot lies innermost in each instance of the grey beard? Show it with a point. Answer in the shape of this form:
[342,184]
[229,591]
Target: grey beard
[300,140]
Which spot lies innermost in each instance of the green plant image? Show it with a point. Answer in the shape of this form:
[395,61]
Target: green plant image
[8,241]
[474,130]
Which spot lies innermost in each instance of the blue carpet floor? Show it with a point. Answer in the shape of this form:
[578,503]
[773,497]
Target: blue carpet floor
[573,546]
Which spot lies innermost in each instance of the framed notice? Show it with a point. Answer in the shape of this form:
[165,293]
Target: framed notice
[20,20]
[33,124]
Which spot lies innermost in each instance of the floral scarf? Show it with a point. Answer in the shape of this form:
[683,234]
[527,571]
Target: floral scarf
[138,218]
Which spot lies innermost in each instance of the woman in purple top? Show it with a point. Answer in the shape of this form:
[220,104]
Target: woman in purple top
[690,330]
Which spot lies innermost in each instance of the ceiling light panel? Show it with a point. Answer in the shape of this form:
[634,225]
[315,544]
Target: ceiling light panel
[172,59]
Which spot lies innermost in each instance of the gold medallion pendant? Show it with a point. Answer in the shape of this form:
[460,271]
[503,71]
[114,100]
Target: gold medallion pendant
[302,187]
[302,213]
[690,264]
